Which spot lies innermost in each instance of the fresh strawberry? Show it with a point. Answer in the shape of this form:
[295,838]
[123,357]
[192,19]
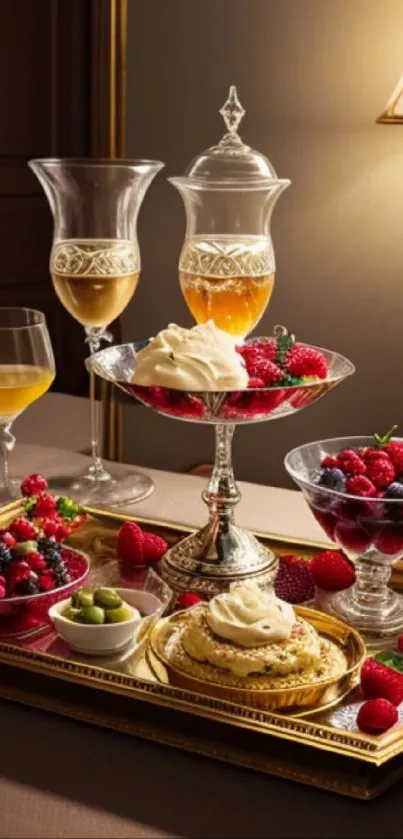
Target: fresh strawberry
[33,485]
[130,544]
[45,506]
[187,599]
[22,530]
[306,361]
[376,716]
[154,547]
[265,370]
[380,471]
[395,451]
[255,382]
[267,347]
[294,581]
[380,681]
[351,463]
[332,571]
[361,486]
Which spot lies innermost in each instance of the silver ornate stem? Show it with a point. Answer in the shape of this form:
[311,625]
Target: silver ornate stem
[222,493]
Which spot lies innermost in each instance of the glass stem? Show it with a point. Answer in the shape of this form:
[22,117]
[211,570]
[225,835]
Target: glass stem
[97,470]
[7,442]
[370,591]
[222,493]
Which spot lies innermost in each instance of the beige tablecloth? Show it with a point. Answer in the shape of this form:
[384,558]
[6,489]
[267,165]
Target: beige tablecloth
[59,778]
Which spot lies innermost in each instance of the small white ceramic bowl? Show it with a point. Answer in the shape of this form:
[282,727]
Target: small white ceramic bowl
[106,638]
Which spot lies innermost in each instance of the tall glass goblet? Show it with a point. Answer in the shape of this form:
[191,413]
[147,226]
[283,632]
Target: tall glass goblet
[95,268]
[27,369]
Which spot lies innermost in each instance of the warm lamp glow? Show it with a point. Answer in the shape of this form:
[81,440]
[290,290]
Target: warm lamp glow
[393,113]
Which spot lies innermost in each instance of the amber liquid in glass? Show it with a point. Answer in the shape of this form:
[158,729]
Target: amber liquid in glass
[21,384]
[94,280]
[227,280]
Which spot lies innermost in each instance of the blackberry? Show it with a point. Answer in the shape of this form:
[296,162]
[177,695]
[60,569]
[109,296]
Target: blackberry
[61,579]
[47,543]
[5,554]
[27,586]
[52,557]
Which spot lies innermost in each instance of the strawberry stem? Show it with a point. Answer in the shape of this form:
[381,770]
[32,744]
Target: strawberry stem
[383,440]
[285,340]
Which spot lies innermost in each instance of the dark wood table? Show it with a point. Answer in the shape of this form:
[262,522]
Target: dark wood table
[60,778]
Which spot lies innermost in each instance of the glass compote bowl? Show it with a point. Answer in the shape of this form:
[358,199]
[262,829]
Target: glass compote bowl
[369,531]
[221,552]
[95,268]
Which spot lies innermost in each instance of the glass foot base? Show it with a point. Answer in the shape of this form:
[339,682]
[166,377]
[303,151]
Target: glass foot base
[380,626]
[106,490]
[209,560]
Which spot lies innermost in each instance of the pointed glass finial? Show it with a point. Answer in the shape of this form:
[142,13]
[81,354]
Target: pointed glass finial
[232,111]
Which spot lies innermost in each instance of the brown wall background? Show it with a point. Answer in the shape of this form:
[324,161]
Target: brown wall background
[313,76]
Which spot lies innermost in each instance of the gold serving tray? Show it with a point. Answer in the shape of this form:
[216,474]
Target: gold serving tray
[131,694]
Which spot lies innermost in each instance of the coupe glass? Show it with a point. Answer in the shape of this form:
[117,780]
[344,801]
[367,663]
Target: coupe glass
[95,268]
[27,369]
[369,531]
[209,559]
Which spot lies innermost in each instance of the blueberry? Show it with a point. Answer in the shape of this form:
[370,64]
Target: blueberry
[394,490]
[5,554]
[333,478]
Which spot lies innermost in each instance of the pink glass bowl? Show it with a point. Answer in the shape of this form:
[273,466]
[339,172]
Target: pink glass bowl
[21,617]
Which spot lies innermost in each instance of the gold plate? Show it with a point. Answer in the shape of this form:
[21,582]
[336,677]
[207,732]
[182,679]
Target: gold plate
[323,692]
[124,694]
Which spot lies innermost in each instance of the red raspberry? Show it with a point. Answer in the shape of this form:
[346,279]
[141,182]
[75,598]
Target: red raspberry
[352,537]
[361,486]
[34,484]
[395,451]
[45,506]
[377,716]
[255,382]
[267,348]
[380,471]
[154,547]
[22,530]
[306,361]
[50,526]
[3,592]
[330,462]
[36,561]
[7,538]
[351,463]
[332,571]
[46,581]
[266,370]
[378,680]
[62,532]
[187,599]
[294,581]
[130,543]
[389,540]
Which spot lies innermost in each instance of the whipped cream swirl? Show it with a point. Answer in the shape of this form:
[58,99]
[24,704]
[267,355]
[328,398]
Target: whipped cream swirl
[201,358]
[249,616]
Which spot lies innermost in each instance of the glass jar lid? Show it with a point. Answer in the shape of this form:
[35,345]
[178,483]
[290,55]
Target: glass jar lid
[231,161]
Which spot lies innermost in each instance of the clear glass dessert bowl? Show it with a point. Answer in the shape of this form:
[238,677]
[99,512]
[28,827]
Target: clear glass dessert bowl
[210,559]
[368,530]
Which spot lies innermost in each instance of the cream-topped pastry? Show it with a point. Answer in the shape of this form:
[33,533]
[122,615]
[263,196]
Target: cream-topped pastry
[249,616]
[201,358]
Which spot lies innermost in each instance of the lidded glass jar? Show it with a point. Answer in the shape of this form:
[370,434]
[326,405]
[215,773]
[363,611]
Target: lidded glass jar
[227,265]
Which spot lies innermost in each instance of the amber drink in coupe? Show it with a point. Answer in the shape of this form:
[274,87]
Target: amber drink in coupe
[20,385]
[95,280]
[228,280]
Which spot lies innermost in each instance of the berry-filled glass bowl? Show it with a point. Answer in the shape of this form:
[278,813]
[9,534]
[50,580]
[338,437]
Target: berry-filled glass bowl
[354,488]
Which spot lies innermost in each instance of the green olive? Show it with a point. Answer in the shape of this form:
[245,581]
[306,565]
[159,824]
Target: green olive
[70,613]
[25,547]
[82,597]
[91,614]
[121,614]
[108,598]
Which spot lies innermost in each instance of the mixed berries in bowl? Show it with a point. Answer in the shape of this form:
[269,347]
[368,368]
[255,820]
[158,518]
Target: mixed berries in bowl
[354,488]
[36,568]
[284,376]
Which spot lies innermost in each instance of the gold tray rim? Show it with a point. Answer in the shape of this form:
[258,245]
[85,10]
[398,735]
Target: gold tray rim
[307,732]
